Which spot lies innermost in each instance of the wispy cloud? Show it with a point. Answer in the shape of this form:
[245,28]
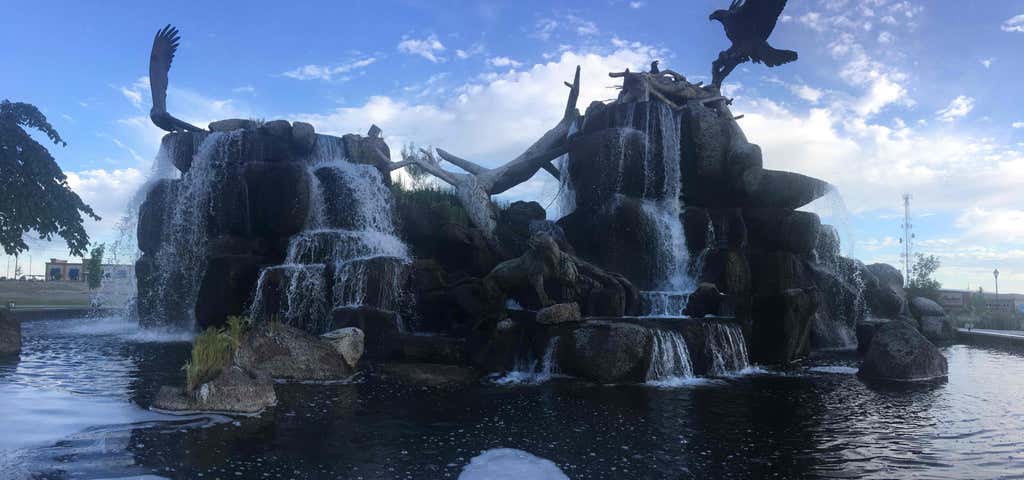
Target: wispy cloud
[959,107]
[1014,24]
[326,72]
[503,62]
[428,48]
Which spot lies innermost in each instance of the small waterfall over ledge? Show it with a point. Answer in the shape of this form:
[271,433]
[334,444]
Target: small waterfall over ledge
[726,349]
[346,256]
[670,362]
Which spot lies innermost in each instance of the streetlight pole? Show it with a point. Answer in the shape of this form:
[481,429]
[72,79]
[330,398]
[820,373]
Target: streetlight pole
[995,273]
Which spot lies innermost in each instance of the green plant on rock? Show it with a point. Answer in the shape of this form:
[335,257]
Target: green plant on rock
[213,350]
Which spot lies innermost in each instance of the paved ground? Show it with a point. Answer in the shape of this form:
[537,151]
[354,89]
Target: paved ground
[1001,333]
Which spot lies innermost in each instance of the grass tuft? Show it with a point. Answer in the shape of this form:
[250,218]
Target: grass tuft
[212,352]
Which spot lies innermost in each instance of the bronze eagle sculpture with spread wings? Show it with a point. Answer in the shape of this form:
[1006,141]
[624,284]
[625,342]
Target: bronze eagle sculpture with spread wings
[164,45]
[748,24]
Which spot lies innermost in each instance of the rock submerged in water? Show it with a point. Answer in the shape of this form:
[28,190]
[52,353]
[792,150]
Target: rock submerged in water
[900,353]
[233,391]
[608,352]
[10,334]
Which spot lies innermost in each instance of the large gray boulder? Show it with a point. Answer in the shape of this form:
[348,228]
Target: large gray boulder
[10,334]
[937,329]
[349,342]
[559,313]
[900,353]
[886,297]
[607,352]
[288,353]
[233,391]
[922,307]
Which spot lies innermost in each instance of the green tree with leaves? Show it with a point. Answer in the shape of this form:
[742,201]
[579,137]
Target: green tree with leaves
[94,266]
[34,192]
[921,283]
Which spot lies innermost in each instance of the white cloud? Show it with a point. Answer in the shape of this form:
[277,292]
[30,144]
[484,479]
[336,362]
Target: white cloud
[503,62]
[987,63]
[326,72]
[583,27]
[886,38]
[137,92]
[636,4]
[244,89]
[1013,24]
[428,48]
[807,92]
[995,225]
[959,107]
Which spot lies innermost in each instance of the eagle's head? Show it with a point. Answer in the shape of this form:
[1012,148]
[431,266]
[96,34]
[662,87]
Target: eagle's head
[719,15]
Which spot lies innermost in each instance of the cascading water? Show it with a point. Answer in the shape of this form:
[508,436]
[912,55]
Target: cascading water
[726,349]
[348,243]
[670,362]
[662,206]
[530,371]
[182,257]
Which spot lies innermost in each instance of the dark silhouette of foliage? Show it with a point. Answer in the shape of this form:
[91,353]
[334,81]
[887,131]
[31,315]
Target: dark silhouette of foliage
[94,266]
[34,192]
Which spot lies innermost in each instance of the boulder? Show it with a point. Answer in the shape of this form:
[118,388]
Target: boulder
[705,300]
[303,138]
[232,124]
[938,329]
[777,271]
[779,229]
[559,313]
[900,353]
[513,230]
[152,213]
[730,228]
[369,150]
[10,334]
[786,190]
[463,249]
[782,326]
[698,229]
[180,147]
[611,162]
[607,352]
[349,342]
[922,307]
[288,353]
[233,391]
[379,326]
[429,374]
[277,128]
[885,295]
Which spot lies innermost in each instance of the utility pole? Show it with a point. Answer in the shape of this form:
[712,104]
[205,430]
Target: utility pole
[908,238]
[995,273]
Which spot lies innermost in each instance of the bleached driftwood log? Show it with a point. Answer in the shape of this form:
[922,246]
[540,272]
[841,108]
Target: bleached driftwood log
[475,187]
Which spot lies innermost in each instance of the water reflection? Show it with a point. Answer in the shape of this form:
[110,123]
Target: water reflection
[816,421]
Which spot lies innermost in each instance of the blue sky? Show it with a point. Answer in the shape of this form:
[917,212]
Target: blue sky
[889,96]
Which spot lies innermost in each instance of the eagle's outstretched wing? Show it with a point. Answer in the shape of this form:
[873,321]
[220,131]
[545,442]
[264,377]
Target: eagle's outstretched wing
[164,45]
[761,15]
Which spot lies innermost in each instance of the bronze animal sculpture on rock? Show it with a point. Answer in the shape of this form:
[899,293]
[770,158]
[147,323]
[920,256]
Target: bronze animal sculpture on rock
[748,24]
[164,45]
[543,260]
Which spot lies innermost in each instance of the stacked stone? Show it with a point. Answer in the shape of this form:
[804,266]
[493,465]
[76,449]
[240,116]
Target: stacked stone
[261,199]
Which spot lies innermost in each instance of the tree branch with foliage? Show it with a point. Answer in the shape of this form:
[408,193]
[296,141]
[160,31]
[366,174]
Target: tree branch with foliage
[94,266]
[921,283]
[34,192]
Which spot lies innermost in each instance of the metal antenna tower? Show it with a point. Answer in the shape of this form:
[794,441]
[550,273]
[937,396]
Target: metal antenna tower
[908,238]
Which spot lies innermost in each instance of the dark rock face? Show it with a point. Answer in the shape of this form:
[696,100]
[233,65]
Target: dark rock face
[782,326]
[514,226]
[226,288]
[381,327]
[10,334]
[886,297]
[938,329]
[278,198]
[607,352]
[288,353]
[233,391]
[151,215]
[900,353]
[436,349]
[706,300]
[559,313]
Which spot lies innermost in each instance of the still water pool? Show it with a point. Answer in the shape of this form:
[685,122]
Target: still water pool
[76,406]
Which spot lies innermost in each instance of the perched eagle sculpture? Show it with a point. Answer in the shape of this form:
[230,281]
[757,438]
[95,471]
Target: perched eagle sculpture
[164,45]
[748,24]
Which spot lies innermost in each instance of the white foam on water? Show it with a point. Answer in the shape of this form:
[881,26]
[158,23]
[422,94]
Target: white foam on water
[534,373]
[127,329]
[834,369]
[511,464]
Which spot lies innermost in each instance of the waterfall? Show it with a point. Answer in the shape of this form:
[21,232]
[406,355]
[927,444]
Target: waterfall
[726,349]
[347,255]
[529,371]
[670,359]
[181,258]
[662,206]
